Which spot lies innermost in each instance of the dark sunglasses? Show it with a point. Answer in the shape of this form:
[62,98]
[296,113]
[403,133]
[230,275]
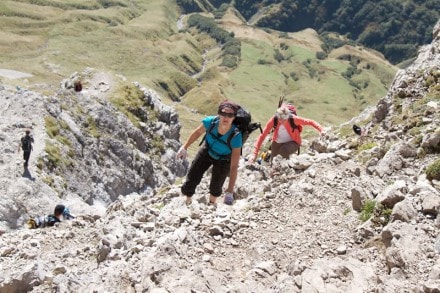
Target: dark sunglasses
[224,114]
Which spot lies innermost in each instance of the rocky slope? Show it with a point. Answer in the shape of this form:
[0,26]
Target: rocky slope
[293,228]
[85,148]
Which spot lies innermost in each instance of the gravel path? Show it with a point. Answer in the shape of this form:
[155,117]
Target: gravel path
[13,74]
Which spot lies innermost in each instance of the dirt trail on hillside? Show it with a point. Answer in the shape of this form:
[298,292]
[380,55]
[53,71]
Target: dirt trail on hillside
[13,74]
[20,110]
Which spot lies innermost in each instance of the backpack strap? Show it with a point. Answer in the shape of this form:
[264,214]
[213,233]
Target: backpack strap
[227,142]
[275,122]
[291,122]
[231,136]
[211,127]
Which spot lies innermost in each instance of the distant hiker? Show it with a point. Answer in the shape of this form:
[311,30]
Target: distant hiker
[287,128]
[26,145]
[361,132]
[77,85]
[358,130]
[221,150]
[60,212]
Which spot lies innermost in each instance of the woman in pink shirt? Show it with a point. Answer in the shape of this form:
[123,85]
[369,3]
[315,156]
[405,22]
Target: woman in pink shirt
[286,138]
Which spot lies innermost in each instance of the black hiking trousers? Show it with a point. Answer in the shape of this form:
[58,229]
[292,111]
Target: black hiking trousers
[26,156]
[200,164]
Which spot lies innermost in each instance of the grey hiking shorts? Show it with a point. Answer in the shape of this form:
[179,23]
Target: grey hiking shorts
[283,149]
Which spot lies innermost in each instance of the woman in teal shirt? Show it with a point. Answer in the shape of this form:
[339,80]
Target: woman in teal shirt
[221,150]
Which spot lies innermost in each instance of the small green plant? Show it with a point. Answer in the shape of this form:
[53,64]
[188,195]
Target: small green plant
[54,130]
[56,158]
[129,99]
[263,62]
[158,206]
[163,190]
[40,163]
[229,61]
[346,211]
[367,146]
[220,12]
[91,127]
[49,181]
[284,35]
[433,171]
[53,154]
[321,55]
[367,210]
[430,81]
[52,127]
[64,125]
[294,76]
[64,106]
[377,212]
[345,131]
[417,140]
[415,131]
[382,215]
[278,56]
[421,153]
[157,144]
[64,140]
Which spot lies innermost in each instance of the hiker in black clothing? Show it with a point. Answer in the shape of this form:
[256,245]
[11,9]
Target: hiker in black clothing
[60,212]
[26,145]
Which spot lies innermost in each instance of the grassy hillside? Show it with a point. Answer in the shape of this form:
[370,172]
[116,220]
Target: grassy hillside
[316,86]
[142,41]
[51,39]
[395,28]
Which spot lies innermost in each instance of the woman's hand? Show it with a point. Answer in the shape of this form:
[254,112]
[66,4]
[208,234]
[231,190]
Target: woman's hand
[182,153]
[251,160]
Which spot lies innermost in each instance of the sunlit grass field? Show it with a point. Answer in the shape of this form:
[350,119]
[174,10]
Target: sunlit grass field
[140,40]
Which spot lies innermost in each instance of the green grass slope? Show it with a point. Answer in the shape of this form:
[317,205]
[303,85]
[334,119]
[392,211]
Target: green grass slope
[138,39]
[274,64]
[141,41]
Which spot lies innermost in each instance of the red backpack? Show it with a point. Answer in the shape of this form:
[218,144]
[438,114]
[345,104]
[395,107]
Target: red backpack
[291,108]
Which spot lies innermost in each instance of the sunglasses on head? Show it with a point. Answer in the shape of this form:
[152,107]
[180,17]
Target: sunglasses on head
[224,114]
